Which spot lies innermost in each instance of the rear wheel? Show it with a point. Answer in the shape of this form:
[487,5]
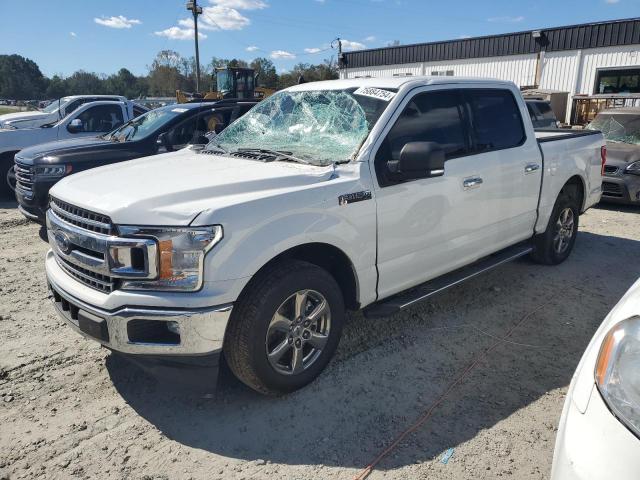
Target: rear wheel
[285,327]
[555,244]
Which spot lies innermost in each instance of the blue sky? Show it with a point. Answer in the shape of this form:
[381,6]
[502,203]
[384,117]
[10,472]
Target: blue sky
[102,36]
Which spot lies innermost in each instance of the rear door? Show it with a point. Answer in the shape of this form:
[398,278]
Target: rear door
[504,143]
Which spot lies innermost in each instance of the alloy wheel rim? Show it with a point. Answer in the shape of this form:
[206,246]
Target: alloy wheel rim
[298,332]
[563,231]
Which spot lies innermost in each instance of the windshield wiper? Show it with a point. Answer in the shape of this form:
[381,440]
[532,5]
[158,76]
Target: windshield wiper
[277,154]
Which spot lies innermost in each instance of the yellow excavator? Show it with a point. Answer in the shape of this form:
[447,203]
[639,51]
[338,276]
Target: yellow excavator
[232,82]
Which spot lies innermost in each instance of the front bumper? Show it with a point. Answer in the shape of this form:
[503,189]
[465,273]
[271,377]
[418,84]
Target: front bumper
[143,330]
[594,445]
[623,188]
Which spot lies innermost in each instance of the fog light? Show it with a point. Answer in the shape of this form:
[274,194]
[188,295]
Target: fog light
[173,327]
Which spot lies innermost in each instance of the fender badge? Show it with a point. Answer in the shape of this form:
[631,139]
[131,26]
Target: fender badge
[354,197]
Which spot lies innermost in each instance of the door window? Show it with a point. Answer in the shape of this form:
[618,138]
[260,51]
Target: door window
[496,120]
[101,118]
[428,117]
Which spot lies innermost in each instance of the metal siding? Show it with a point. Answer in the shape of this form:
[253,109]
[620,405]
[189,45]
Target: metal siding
[597,35]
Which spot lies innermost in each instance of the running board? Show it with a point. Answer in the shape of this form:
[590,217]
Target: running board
[405,299]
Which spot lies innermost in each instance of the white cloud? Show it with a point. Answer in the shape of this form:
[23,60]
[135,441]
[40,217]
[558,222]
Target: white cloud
[349,45]
[506,19]
[312,50]
[117,22]
[73,34]
[611,2]
[282,54]
[241,4]
[370,38]
[252,48]
[219,18]
[177,33]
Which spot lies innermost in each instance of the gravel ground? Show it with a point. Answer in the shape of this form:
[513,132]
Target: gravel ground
[70,409]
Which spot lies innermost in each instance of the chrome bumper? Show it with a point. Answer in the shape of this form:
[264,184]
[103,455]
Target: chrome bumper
[201,331]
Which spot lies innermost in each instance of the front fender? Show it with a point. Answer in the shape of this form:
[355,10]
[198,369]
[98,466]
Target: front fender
[258,231]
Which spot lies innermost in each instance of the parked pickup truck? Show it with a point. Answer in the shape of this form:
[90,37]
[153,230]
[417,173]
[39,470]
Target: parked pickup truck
[351,194]
[53,112]
[164,129]
[87,120]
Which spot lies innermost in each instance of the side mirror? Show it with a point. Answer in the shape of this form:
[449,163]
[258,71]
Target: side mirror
[75,126]
[421,160]
[163,141]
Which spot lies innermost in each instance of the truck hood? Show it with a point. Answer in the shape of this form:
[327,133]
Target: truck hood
[622,154]
[32,155]
[26,119]
[173,188]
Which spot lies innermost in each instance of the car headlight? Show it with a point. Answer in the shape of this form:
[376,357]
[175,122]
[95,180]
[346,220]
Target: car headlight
[52,170]
[180,258]
[617,373]
[633,168]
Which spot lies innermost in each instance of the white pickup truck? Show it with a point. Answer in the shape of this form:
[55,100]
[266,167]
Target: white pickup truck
[353,194]
[56,110]
[89,119]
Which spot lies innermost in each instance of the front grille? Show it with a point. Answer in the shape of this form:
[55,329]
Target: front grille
[24,177]
[95,280]
[94,222]
[610,170]
[611,189]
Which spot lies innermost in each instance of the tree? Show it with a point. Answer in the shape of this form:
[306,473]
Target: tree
[84,83]
[266,72]
[20,78]
[125,83]
[165,76]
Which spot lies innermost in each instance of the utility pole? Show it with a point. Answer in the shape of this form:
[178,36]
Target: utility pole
[193,6]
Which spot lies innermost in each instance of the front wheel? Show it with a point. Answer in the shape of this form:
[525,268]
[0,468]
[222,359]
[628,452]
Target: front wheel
[555,244]
[285,327]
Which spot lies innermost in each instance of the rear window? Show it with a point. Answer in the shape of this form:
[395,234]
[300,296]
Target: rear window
[496,119]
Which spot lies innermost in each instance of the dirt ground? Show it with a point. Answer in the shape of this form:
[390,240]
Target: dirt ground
[69,409]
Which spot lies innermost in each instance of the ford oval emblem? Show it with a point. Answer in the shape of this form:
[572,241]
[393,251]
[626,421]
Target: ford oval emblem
[62,241]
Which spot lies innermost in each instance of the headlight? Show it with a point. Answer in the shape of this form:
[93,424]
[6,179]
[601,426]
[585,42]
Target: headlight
[181,252]
[617,373]
[52,170]
[633,168]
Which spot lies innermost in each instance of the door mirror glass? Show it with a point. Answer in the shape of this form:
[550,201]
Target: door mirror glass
[421,160]
[75,126]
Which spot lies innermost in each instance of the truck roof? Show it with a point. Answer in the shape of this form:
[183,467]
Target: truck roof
[393,82]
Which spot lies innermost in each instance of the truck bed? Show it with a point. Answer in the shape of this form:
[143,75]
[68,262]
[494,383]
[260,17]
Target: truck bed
[565,151]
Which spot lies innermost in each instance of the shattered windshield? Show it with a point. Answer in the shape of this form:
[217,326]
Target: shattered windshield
[317,126]
[623,128]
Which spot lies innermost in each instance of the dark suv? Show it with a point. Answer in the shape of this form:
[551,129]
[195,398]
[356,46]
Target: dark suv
[164,129]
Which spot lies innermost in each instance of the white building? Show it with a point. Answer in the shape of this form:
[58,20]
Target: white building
[594,58]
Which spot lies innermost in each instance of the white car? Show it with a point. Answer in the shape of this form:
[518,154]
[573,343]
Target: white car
[88,120]
[56,110]
[599,433]
[346,194]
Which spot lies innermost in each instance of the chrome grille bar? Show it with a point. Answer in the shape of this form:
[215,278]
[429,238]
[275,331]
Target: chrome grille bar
[94,222]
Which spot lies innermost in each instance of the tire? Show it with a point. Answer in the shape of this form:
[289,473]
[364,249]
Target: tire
[300,345]
[558,233]
[6,162]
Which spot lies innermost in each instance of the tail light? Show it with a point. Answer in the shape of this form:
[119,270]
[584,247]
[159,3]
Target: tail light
[603,158]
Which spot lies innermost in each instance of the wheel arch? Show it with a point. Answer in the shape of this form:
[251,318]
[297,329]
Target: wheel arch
[579,184]
[326,256]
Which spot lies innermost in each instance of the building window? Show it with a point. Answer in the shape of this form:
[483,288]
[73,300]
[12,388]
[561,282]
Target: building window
[442,73]
[618,81]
